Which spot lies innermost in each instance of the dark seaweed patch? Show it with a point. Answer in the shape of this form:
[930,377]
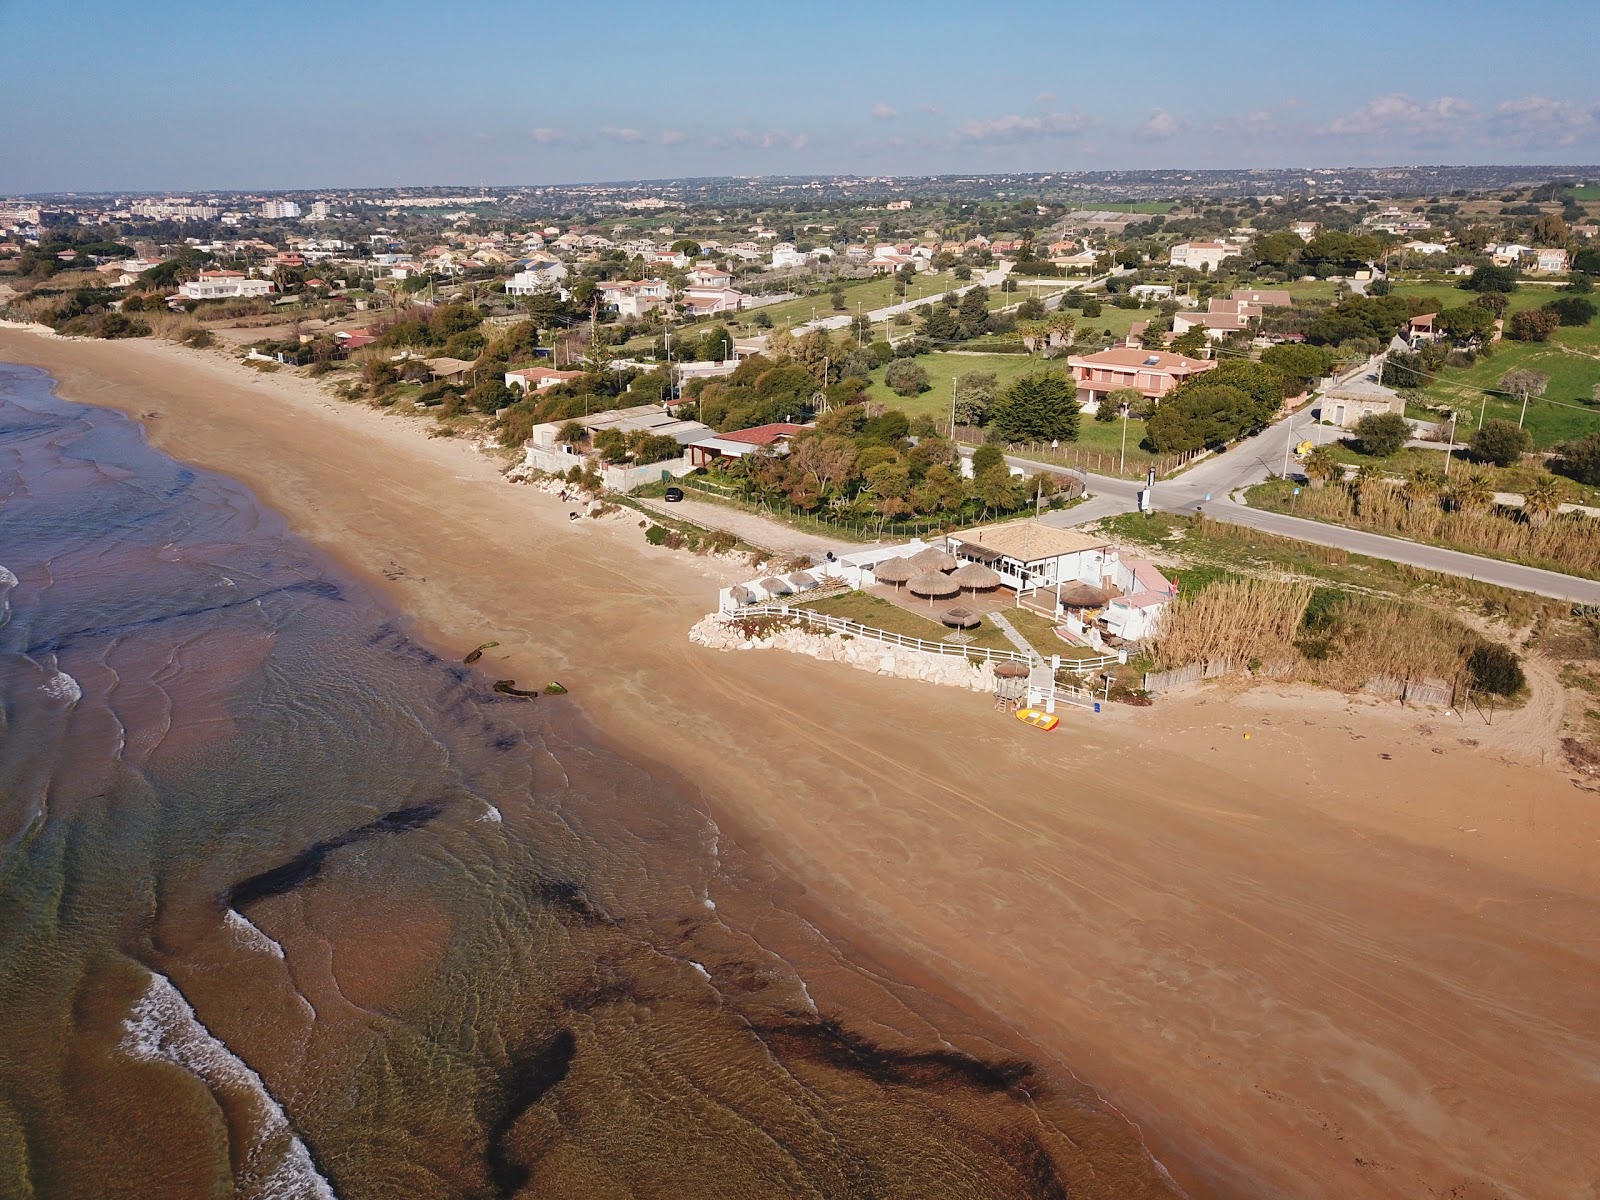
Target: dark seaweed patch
[528,1081]
[828,1041]
[568,895]
[305,866]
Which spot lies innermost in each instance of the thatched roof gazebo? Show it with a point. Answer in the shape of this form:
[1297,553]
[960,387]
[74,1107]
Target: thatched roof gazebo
[976,576]
[776,587]
[893,570]
[801,581]
[1008,669]
[960,618]
[1084,595]
[934,559]
[934,585]
[743,595]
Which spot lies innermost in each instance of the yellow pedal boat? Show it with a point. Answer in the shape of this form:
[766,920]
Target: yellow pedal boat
[1038,718]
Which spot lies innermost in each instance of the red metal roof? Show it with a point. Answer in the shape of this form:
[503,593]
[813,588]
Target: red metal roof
[762,435]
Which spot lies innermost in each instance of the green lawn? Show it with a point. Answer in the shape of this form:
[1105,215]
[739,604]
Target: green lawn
[1147,207]
[1572,361]
[868,293]
[1587,192]
[943,368]
[878,613]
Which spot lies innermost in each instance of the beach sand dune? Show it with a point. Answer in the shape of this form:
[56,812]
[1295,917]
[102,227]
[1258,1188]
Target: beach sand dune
[1351,956]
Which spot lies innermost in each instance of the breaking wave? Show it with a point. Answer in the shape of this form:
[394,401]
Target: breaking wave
[276,1164]
[62,686]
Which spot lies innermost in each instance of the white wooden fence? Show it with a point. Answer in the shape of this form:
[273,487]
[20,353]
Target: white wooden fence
[841,625]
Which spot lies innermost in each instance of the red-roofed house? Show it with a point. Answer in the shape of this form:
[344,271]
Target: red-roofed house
[760,439]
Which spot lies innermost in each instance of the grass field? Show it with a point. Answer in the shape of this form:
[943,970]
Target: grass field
[1147,207]
[1587,192]
[868,293]
[1093,437]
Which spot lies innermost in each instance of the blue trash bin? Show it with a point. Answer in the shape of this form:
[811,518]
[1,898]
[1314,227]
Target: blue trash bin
[1097,706]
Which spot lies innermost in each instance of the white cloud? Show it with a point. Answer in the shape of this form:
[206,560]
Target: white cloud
[1045,99]
[1540,119]
[883,112]
[613,134]
[547,137]
[1443,117]
[1161,126]
[770,139]
[1012,127]
[673,137]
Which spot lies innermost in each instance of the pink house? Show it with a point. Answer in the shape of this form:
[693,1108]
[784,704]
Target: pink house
[1152,372]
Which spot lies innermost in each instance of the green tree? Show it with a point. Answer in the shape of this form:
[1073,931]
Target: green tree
[1491,279]
[611,445]
[1541,500]
[1494,668]
[836,297]
[986,458]
[1572,311]
[1041,406]
[1501,442]
[1322,465]
[1379,435]
[1580,459]
[1127,400]
[975,394]
[1467,324]
[1299,365]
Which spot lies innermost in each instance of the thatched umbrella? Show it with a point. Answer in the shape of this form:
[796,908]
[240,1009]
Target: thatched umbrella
[934,559]
[959,618]
[776,586]
[893,570]
[934,586]
[743,595]
[801,580]
[1008,669]
[976,576]
[1084,595]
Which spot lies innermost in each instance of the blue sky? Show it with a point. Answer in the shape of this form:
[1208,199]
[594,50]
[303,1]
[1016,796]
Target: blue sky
[183,94]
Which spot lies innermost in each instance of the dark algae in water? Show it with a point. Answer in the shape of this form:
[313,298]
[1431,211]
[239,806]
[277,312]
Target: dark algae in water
[291,907]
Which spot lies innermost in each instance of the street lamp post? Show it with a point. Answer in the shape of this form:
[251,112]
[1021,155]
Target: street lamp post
[1452,445]
[1122,465]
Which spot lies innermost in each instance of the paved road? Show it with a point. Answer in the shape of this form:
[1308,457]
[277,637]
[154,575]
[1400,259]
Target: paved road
[1216,485]
[767,532]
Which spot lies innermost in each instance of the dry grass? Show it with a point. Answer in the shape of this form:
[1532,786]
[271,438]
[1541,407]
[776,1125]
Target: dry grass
[1241,619]
[1360,638]
[1569,543]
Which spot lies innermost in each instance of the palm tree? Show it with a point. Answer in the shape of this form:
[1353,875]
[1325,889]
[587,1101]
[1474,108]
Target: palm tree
[1541,500]
[1422,488]
[1472,493]
[1321,466]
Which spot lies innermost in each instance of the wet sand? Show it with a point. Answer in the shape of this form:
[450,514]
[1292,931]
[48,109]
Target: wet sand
[1349,956]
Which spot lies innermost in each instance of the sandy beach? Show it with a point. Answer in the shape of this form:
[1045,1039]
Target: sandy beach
[1351,955]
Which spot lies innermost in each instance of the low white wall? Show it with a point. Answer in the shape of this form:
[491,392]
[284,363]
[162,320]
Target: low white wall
[720,632]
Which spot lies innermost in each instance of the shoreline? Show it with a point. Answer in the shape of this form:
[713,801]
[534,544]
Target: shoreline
[1233,962]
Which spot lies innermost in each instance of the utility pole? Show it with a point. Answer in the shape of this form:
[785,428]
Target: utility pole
[1122,465]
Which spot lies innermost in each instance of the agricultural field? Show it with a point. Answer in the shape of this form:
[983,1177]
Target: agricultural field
[868,293]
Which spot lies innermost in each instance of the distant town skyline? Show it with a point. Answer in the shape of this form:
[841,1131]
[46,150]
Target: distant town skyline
[185,96]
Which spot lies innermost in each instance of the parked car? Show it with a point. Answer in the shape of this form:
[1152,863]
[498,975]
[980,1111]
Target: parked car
[674,494]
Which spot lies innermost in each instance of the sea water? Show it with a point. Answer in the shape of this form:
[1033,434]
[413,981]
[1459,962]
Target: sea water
[292,906]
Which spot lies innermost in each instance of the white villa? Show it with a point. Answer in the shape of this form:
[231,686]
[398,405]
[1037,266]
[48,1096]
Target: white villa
[1030,554]
[224,285]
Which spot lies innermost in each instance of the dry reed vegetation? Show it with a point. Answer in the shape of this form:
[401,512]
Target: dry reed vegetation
[1240,619]
[1342,641]
[1569,543]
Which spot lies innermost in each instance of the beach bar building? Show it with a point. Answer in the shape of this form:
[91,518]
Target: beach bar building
[1029,555]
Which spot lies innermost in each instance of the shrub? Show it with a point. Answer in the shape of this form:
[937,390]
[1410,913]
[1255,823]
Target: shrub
[1041,406]
[1534,324]
[1501,442]
[655,535]
[1494,668]
[1572,310]
[906,377]
[1580,460]
[1381,434]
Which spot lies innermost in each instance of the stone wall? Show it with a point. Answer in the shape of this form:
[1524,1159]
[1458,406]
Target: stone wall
[865,654]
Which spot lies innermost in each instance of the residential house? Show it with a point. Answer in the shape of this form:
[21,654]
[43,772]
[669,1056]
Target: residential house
[1029,554]
[785,257]
[224,285]
[1200,256]
[1426,248]
[634,297]
[1151,291]
[1554,260]
[1304,230]
[1507,254]
[536,279]
[1421,328]
[1265,299]
[709,276]
[1346,403]
[740,443]
[1146,592]
[1222,318]
[708,301]
[675,259]
[1152,372]
[533,379]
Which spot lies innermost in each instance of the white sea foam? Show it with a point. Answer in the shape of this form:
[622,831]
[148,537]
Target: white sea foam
[249,935]
[704,974]
[709,903]
[493,814]
[7,579]
[62,686]
[276,1164]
